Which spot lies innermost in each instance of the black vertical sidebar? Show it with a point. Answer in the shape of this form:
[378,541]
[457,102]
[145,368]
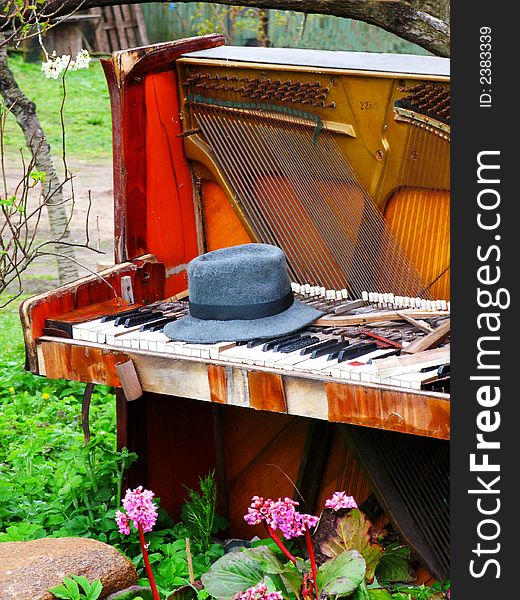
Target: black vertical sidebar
[485,228]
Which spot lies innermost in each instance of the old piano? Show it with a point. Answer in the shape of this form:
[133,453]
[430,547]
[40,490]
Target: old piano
[341,159]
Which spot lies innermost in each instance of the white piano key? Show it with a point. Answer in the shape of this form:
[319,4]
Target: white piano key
[320,365]
[148,340]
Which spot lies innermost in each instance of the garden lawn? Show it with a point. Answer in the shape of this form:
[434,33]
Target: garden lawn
[53,486]
[86,112]
[49,483]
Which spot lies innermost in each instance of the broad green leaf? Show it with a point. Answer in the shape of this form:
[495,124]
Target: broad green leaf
[267,558]
[233,573]
[379,594]
[349,531]
[95,590]
[361,592]
[72,588]
[394,565]
[60,591]
[186,592]
[82,581]
[341,575]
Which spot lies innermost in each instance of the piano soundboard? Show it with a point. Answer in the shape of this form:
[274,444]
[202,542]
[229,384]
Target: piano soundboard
[373,349]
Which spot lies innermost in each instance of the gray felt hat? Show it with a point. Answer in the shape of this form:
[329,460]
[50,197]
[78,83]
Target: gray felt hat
[240,293]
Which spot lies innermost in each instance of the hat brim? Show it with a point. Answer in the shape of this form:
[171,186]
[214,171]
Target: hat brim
[199,331]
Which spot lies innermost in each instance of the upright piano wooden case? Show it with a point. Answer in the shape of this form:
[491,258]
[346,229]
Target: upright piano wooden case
[181,189]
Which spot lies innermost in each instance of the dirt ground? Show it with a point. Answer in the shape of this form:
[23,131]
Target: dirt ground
[42,275]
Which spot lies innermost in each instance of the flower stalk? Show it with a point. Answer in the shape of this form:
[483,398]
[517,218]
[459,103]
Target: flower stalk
[147,564]
[279,543]
[312,557]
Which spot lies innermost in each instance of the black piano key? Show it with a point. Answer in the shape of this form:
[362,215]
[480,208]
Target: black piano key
[270,344]
[298,344]
[121,318]
[444,370]
[325,344]
[426,369]
[123,314]
[356,350]
[157,325]
[255,343]
[338,347]
[335,352]
[141,319]
[391,352]
[278,347]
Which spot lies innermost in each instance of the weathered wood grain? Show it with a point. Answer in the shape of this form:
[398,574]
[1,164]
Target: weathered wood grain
[266,392]
[418,412]
[384,409]
[217,384]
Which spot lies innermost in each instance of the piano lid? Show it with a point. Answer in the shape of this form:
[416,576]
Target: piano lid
[411,64]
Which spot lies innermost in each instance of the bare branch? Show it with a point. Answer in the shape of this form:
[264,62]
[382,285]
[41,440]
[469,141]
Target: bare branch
[424,22]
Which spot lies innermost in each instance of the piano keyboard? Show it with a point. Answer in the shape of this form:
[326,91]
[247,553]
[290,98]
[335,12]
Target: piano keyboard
[342,353]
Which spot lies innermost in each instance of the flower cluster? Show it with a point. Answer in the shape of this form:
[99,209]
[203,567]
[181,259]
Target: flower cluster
[259,592]
[54,66]
[340,500]
[280,514]
[139,509]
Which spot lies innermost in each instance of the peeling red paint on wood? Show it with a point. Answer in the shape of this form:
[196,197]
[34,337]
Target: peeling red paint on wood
[79,363]
[393,410]
[217,383]
[266,392]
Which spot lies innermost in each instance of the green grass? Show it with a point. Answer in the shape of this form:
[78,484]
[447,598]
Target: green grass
[53,486]
[87,110]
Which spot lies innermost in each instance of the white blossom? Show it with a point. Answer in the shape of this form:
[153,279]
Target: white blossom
[82,60]
[54,66]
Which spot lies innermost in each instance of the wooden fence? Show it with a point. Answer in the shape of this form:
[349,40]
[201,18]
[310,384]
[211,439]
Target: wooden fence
[174,20]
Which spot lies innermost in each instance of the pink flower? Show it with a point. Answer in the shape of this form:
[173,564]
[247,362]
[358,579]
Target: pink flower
[122,522]
[259,592]
[340,500]
[139,509]
[280,515]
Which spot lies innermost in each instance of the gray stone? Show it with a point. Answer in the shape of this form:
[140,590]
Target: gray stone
[29,569]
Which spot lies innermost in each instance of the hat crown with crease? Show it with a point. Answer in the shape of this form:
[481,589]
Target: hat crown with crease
[240,293]
[240,275]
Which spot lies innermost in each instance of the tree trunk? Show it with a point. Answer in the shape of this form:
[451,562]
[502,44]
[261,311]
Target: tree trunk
[25,113]
[424,22]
